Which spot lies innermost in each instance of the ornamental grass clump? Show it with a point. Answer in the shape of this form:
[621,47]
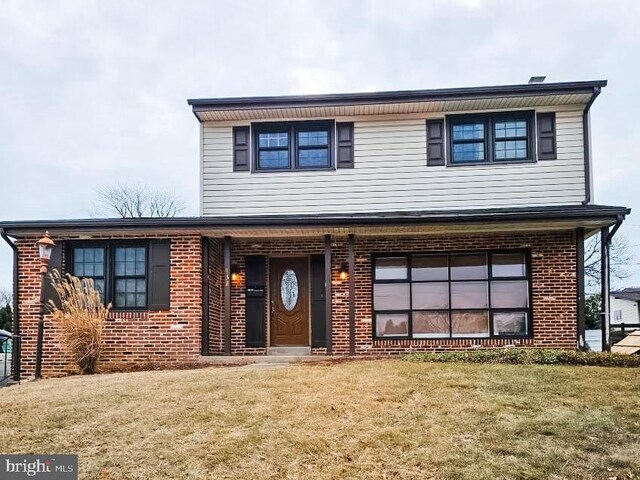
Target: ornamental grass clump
[81,316]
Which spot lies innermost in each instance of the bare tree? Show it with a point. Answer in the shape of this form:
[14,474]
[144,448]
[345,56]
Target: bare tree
[620,259]
[6,297]
[137,201]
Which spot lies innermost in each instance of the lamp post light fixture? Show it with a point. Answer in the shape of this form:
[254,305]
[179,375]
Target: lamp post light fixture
[45,248]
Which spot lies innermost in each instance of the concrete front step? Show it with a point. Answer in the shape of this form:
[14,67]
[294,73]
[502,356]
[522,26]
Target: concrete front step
[289,351]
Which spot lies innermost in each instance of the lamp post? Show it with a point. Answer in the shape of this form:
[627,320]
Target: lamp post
[45,247]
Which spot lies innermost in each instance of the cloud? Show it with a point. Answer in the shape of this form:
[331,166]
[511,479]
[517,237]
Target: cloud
[95,92]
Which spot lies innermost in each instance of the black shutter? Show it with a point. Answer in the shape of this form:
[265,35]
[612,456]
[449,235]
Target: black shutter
[547,136]
[345,145]
[318,304]
[435,142]
[255,267]
[241,140]
[159,296]
[55,262]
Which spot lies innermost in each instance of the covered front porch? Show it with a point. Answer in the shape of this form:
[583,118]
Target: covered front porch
[311,287]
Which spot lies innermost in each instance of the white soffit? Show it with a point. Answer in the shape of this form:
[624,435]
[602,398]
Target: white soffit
[328,111]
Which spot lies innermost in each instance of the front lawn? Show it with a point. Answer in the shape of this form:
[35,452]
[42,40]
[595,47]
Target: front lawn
[366,419]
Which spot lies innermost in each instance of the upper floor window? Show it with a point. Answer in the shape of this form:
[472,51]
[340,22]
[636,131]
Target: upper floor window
[491,138]
[293,145]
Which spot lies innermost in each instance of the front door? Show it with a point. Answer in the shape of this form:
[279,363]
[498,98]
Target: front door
[289,278]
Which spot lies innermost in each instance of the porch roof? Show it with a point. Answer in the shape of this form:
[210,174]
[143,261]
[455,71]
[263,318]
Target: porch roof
[590,217]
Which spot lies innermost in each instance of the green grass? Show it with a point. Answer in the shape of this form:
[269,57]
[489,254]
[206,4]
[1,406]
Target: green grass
[368,419]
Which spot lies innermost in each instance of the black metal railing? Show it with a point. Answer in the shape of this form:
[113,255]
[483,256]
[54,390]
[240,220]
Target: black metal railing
[6,353]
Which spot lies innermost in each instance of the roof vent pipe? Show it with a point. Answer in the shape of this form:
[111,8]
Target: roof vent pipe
[539,79]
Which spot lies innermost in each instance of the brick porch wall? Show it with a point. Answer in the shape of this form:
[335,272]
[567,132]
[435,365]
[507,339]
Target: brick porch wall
[553,265]
[132,338]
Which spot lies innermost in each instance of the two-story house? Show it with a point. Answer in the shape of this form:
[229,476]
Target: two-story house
[350,224]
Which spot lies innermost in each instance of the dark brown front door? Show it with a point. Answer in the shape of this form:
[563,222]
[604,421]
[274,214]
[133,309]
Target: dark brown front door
[289,278]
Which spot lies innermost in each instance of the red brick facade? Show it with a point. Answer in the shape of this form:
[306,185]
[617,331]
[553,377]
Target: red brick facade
[132,338]
[553,274]
[174,336]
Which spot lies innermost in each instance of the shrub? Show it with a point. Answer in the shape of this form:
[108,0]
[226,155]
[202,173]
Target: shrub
[529,356]
[81,317]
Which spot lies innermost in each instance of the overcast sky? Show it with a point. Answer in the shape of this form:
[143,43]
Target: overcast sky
[94,93]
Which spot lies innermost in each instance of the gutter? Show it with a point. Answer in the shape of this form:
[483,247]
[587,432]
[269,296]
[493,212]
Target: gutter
[15,367]
[368,98]
[591,212]
[605,281]
[587,146]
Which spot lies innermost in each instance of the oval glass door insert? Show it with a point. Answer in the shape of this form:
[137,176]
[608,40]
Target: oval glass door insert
[289,289]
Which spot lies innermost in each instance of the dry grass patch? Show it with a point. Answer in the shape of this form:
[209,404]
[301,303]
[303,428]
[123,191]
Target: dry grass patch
[382,419]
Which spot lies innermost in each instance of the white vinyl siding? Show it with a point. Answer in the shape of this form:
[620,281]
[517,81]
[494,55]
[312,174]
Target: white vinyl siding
[391,174]
[628,309]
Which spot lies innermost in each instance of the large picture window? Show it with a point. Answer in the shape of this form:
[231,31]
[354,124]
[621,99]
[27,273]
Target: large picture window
[487,138]
[452,295]
[293,145]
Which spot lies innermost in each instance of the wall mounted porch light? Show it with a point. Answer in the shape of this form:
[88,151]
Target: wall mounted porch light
[344,271]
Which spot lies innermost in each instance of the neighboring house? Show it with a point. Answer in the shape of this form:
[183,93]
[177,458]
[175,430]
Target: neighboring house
[624,306]
[365,224]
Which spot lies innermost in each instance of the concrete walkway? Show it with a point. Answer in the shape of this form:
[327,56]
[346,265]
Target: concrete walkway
[239,360]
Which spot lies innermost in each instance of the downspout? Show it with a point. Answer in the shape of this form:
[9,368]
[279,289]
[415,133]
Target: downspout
[15,360]
[587,146]
[605,275]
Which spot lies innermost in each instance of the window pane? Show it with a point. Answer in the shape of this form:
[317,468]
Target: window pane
[130,268]
[468,152]
[89,270]
[468,131]
[508,265]
[313,157]
[430,324]
[432,295]
[130,292]
[273,159]
[99,285]
[392,324]
[512,294]
[470,324]
[320,137]
[391,296]
[510,129]
[432,267]
[468,267]
[78,269]
[273,139]
[512,149]
[469,295]
[510,323]
[78,254]
[391,268]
